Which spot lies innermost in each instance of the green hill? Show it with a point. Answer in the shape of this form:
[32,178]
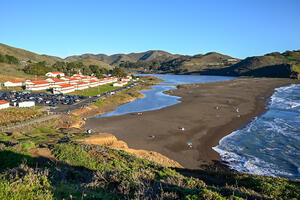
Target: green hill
[270,65]
[24,55]
[198,62]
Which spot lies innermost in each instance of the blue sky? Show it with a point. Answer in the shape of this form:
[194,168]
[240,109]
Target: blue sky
[239,28]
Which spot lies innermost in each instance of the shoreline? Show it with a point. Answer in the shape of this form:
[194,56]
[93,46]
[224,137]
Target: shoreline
[202,128]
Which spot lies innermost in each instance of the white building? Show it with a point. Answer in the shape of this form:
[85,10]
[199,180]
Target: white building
[94,83]
[63,89]
[13,84]
[4,104]
[26,104]
[81,85]
[54,74]
[55,81]
[37,85]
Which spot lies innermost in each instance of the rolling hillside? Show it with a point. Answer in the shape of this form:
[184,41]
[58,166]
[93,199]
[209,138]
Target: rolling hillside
[24,55]
[198,62]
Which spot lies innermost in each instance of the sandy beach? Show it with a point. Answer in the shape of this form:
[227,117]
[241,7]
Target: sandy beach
[208,112]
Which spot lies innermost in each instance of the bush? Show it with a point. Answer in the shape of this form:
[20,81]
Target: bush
[32,185]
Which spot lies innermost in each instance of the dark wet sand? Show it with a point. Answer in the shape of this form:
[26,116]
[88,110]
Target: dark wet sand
[207,113]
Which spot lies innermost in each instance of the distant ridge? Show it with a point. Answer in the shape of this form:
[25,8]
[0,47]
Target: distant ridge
[131,57]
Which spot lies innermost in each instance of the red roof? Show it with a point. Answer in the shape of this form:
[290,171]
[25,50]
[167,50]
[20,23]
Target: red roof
[82,83]
[15,81]
[39,82]
[93,81]
[3,102]
[66,85]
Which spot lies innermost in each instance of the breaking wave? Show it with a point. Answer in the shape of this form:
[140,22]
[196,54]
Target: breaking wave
[270,144]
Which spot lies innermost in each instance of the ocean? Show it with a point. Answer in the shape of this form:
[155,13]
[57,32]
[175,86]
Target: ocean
[270,144]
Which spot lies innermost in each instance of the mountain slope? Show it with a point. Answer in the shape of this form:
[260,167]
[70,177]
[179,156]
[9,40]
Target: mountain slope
[270,65]
[91,61]
[198,62]
[24,55]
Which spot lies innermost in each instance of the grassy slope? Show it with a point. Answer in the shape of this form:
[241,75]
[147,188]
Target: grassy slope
[91,61]
[27,55]
[12,72]
[90,172]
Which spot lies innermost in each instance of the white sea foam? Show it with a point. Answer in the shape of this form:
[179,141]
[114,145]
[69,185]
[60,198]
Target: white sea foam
[268,145]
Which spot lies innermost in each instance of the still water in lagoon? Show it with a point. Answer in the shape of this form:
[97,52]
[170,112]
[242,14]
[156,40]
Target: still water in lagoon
[155,99]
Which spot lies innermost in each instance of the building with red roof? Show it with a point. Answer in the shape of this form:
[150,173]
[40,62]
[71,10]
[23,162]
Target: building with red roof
[81,85]
[13,84]
[63,89]
[55,81]
[94,83]
[37,85]
[4,104]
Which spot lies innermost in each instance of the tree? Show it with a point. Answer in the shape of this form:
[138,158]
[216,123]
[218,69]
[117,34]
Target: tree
[119,72]
[39,68]
[9,59]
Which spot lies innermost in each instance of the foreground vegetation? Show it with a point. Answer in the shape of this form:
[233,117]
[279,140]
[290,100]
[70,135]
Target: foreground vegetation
[97,172]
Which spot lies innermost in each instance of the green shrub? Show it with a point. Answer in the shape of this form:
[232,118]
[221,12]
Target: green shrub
[25,183]
[25,145]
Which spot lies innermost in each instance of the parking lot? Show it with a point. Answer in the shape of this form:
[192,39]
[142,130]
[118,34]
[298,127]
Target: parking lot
[58,103]
[40,99]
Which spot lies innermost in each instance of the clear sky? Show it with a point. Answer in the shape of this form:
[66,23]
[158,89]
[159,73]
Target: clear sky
[239,28]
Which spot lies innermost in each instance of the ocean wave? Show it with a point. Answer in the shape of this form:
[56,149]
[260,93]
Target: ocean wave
[269,144]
